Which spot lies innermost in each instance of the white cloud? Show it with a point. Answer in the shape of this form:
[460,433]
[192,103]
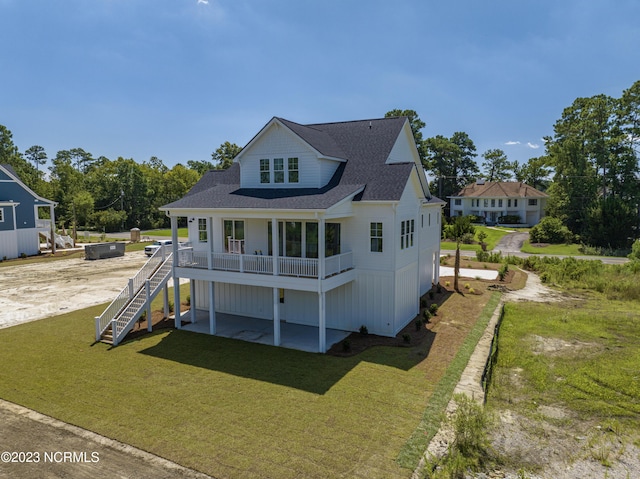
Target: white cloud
[510,143]
[205,2]
[533,146]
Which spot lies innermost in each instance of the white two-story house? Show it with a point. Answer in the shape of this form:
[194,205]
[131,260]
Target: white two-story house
[326,225]
[496,199]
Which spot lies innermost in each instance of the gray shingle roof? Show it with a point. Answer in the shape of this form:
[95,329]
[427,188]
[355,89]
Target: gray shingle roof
[365,146]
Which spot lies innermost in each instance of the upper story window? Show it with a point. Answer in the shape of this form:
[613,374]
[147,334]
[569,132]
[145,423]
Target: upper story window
[457,201]
[264,171]
[500,203]
[376,237]
[1,215]
[515,203]
[406,233]
[278,170]
[493,203]
[508,203]
[202,230]
[533,202]
[293,170]
[486,203]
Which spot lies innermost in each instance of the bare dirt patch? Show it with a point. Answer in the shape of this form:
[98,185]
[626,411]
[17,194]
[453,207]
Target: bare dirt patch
[30,291]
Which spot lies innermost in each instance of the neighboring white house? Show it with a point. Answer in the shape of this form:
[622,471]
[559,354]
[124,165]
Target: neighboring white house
[327,225]
[20,222]
[493,200]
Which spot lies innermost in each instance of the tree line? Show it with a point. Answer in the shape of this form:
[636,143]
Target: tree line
[103,194]
[590,170]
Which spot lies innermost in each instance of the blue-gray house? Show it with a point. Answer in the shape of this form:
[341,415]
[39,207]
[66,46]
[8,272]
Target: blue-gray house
[20,223]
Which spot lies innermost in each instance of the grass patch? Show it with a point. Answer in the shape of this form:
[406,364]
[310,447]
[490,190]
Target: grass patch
[230,408]
[552,249]
[582,357]
[434,412]
[493,237]
[182,233]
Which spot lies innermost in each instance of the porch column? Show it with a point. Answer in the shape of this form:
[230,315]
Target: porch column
[210,242]
[274,245]
[322,310]
[276,317]
[52,226]
[165,293]
[321,249]
[212,308]
[192,302]
[176,279]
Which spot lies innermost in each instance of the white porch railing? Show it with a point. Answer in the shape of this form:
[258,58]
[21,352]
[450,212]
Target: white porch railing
[42,224]
[134,285]
[251,263]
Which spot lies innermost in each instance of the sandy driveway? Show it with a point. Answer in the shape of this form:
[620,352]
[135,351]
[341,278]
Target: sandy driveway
[34,291]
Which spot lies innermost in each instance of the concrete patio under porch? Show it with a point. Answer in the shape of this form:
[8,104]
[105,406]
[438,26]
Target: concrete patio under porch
[292,336]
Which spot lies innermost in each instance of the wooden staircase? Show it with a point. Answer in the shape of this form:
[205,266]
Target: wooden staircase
[121,315]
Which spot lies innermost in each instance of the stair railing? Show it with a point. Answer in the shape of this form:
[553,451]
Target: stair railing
[130,290]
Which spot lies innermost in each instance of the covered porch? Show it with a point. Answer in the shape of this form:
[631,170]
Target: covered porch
[292,336]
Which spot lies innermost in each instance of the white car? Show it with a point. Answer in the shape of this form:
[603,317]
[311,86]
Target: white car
[149,250]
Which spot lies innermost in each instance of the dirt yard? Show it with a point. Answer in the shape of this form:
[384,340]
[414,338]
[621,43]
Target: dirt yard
[39,290]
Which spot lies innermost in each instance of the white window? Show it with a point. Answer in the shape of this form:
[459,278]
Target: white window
[264,171]
[406,233]
[202,230]
[515,203]
[292,170]
[533,202]
[499,203]
[234,236]
[486,203]
[278,170]
[508,203]
[458,201]
[493,203]
[376,237]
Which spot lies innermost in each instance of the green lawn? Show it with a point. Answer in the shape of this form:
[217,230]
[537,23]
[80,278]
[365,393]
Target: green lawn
[236,409]
[182,233]
[552,249]
[493,237]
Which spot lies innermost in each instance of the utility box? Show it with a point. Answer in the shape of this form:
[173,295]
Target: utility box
[103,250]
[135,235]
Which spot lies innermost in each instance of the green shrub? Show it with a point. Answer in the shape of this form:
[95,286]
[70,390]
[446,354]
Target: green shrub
[188,300]
[550,230]
[431,295]
[423,302]
[406,337]
[364,330]
[426,315]
[433,309]
[502,272]
[418,323]
[509,219]
[635,251]
[467,238]
[487,257]
[346,345]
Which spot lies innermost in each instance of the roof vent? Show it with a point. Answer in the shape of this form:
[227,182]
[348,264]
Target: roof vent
[480,182]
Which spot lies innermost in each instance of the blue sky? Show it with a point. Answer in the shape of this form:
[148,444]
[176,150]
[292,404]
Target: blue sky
[176,78]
